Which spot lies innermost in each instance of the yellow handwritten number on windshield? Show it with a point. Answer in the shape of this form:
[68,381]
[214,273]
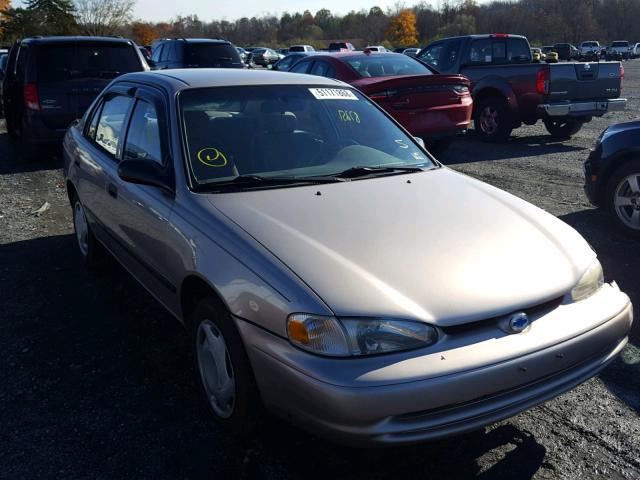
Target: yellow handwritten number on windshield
[212,157]
[348,116]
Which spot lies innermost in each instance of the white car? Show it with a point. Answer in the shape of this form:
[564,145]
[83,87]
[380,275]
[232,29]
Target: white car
[301,48]
[589,46]
[618,50]
[635,50]
[376,48]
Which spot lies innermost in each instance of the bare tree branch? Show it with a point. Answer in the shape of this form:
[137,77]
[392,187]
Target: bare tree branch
[103,17]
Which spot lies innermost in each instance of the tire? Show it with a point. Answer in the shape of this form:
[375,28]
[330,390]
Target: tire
[563,128]
[492,120]
[91,252]
[233,406]
[622,203]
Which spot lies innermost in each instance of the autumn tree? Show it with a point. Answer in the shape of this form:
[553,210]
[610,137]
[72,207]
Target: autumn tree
[143,33]
[402,29]
[4,6]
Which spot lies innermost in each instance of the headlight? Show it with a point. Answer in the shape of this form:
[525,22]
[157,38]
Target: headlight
[357,336]
[590,282]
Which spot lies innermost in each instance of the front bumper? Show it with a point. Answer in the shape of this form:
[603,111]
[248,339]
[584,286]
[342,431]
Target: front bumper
[582,109]
[402,399]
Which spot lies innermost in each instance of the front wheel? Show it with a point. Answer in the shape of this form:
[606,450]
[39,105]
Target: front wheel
[223,369]
[623,198]
[492,120]
[563,128]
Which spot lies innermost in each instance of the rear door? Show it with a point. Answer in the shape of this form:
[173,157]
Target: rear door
[70,75]
[139,214]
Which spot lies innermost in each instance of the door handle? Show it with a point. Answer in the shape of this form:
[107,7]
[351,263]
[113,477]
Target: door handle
[113,191]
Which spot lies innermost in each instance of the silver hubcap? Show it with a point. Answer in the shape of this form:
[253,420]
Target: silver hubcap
[489,120]
[81,227]
[627,201]
[216,370]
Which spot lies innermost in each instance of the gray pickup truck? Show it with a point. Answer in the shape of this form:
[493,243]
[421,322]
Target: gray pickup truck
[509,89]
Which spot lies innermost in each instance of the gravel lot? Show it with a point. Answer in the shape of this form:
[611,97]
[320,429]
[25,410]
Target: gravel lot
[96,382]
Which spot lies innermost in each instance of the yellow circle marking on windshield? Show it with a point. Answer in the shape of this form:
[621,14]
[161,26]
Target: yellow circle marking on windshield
[212,157]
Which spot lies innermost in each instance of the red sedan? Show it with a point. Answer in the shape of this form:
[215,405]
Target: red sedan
[432,106]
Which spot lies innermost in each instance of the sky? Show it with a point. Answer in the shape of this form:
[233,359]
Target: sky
[207,10]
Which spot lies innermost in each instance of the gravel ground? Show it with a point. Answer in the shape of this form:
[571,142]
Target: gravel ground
[96,383]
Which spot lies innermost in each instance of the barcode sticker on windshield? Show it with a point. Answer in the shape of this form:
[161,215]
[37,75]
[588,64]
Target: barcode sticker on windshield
[333,94]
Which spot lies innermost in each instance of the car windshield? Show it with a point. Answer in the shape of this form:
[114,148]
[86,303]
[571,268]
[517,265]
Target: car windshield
[620,44]
[210,54]
[62,62]
[590,44]
[386,65]
[292,132]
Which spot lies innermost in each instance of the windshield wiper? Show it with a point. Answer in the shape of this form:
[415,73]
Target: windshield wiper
[355,172]
[251,180]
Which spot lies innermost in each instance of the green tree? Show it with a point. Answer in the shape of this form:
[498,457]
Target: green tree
[53,17]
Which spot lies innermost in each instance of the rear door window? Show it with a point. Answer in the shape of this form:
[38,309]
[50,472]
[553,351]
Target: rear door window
[143,139]
[320,68]
[109,129]
[68,62]
[156,53]
[301,67]
[488,51]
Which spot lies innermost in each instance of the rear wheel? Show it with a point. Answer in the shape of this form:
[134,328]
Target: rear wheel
[563,128]
[492,120]
[223,368]
[90,249]
[623,198]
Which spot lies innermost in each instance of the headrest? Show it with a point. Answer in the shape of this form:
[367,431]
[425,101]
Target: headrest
[282,105]
[196,120]
[280,123]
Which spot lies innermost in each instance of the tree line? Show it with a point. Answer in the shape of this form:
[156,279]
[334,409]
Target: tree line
[542,21]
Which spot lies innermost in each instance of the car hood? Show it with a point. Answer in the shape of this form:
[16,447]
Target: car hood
[436,246]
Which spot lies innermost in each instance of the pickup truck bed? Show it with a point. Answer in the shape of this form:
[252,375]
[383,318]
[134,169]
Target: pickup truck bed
[511,89]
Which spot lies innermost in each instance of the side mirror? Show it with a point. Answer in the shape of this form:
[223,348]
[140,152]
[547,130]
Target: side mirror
[146,172]
[420,142]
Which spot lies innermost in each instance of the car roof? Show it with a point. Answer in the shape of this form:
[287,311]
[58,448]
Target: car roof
[187,78]
[194,40]
[77,38]
[481,36]
[355,53]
